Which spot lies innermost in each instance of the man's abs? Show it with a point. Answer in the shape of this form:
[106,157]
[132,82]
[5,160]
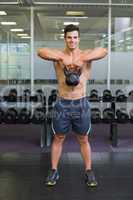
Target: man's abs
[68,92]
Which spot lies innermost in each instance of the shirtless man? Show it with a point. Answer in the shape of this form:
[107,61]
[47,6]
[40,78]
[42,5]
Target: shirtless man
[72,109]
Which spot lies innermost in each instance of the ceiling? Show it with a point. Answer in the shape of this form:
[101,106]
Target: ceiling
[49,18]
[40,2]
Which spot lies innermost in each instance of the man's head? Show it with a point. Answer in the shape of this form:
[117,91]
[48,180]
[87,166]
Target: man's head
[71,28]
[71,36]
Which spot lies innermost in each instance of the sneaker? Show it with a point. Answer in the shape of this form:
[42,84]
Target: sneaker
[90,179]
[53,176]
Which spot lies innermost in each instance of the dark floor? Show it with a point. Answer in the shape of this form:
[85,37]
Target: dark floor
[24,166]
[22,176]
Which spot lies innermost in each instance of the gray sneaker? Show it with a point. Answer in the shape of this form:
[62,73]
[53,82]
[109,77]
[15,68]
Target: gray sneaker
[52,178]
[90,179]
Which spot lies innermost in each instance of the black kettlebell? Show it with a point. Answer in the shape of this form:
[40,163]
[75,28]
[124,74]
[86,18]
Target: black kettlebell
[72,77]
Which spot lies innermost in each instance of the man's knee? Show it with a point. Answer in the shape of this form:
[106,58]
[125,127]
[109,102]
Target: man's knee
[82,139]
[59,138]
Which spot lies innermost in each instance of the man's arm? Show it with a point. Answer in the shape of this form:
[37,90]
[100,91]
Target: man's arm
[50,54]
[94,54]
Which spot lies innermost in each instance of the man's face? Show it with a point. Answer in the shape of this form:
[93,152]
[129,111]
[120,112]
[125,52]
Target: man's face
[72,40]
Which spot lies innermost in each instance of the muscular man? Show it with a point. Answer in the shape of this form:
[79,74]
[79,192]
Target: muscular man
[72,109]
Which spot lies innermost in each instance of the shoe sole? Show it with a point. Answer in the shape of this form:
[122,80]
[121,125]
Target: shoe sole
[92,184]
[52,183]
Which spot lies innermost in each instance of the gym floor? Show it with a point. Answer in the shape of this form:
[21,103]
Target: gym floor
[22,172]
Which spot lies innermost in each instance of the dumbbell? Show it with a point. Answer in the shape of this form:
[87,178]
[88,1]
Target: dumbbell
[130,96]
[26,97]
[120,96]
[39,91]
[108,115]
[10,116]
[95,115]
[122,115]
[131,115]
[94,95]
[107,95]
[54,91]
[54,94]
[1,115]
[51,100]
[39,115]
[38,97]
[12,96]
[24,116]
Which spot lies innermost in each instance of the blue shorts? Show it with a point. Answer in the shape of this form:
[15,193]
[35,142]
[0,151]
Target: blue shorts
[71,115]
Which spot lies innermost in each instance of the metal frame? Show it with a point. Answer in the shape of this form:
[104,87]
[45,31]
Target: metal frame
[32,47]
[109,45]
[10,3]
[82,3]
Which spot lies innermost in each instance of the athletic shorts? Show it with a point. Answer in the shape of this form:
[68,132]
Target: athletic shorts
[71,116]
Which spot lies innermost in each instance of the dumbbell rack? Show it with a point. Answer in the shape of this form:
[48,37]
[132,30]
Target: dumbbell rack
[113,123]
[30,103]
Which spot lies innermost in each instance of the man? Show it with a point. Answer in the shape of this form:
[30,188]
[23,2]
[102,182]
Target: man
[72,109]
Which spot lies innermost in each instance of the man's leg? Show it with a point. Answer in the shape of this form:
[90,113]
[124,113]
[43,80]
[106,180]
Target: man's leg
[56,150]
[85,150]
[86,154]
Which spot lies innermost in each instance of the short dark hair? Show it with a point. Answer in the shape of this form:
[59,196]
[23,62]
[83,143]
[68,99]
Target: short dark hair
[70,28]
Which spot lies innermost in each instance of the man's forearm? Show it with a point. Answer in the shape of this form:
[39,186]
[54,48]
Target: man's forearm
[95,54]
[50,54]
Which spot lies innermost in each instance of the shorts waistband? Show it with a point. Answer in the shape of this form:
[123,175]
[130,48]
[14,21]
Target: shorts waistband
[82,99]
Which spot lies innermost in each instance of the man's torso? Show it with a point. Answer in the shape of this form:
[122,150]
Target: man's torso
[73,63]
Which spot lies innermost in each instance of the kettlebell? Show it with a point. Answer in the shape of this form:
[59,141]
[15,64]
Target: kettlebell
[72,77]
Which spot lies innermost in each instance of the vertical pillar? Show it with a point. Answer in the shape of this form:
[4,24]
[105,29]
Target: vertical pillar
[32,48]
[109,45]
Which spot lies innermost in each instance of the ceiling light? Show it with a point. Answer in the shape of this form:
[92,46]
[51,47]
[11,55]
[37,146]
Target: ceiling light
[61,37]
[74,23]
[8,23]
[3,13]
[22,34]
[17,30]
[62,34]
[104,35]
[128,38]
[73,17]
[26,37]
[75,13]
[120,41]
